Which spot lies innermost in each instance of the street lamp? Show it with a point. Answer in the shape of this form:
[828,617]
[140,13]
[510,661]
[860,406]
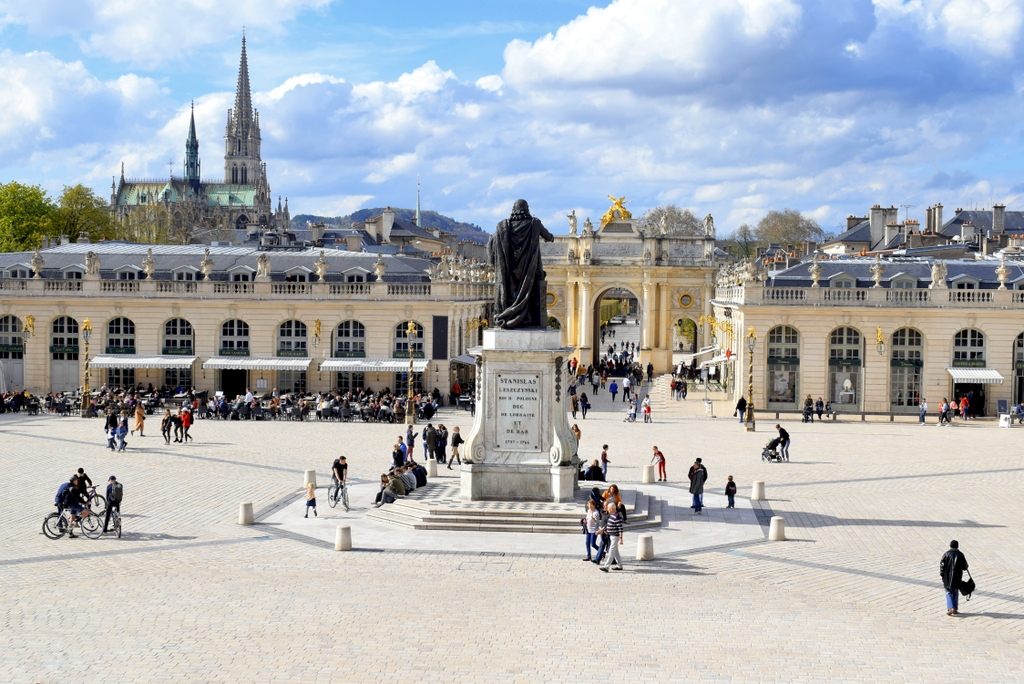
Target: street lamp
[880,342]
[410,407]
[86,334]
[751,343]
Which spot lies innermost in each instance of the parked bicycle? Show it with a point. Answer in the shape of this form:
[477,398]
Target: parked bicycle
[338,492]
[58,523]
[96,503]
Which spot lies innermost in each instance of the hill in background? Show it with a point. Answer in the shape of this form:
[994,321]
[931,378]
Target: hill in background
[430,219]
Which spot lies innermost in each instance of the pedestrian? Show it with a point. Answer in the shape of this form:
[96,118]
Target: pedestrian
[591,524]
[176,419]
[613,528]
[140,419]
[574,406]
[943,409]
[576,431]
[650,372]
[584,404]
[924,409]
[165,426]
[659,459]
[632,411]
[604,461]
[965,404]
[122,434]
[730,491]
[310,499]
[683,388]
[697,487]
[441,452]
[784,444]
[819,408]
[613,389]
[741,409]
[951,569]
[625,388]
[115,492]
[111,433]
[457,441]
[429,436]
[186,423]
[647,409]
[397,455]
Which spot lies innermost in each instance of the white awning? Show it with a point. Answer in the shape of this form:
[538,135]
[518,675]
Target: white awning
[373,365]
[981,376]
[141,361]
[717,360]
[277,363]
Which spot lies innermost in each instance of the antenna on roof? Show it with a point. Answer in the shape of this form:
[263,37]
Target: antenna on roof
[906,212]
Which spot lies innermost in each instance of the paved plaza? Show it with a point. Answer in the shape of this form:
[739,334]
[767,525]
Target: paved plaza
[189,595]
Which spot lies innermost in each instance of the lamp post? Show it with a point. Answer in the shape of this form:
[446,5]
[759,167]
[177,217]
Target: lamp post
[751,343]
[86,334]
[410,407]
[880,342]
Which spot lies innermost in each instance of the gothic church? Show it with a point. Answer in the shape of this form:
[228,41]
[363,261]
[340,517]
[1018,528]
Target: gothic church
[242,201]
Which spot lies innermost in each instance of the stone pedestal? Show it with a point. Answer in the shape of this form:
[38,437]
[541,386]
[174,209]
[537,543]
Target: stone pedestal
[645,547]
[520,447]
[648,475]
[343,538]
[431,467]
[757,491]
[309,478]
[245,515]
[777,529]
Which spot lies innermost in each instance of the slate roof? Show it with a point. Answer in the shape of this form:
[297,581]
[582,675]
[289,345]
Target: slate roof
[116,255]
[918,267]
[982,220]
[178,189]
[859,233]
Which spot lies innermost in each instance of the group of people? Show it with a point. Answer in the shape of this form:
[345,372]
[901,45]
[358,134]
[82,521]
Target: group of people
[603,527]
[820,407]
[400,481]
[73,496]
[962,408]
[435,445]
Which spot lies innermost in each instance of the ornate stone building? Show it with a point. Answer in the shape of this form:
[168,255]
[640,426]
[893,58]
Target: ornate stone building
[241,200]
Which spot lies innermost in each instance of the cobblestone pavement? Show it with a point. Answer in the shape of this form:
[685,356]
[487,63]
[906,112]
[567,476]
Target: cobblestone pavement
[188,595]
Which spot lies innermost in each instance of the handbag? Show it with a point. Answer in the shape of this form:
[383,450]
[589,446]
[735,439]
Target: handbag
[967,588]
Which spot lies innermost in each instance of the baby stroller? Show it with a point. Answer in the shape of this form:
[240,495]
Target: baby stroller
[808,414]
[771,451]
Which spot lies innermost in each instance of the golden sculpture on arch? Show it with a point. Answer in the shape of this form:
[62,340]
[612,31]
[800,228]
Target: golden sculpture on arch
[618,205]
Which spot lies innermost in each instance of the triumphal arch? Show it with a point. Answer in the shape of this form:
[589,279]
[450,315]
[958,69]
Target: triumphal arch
[671,278]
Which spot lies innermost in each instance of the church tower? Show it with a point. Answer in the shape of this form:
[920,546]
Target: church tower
[242,164]
[192,174]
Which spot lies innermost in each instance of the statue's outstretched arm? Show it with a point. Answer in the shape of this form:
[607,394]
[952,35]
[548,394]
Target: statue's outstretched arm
[548,237]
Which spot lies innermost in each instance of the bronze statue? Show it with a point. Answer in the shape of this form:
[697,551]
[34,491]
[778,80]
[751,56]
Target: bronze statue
[520,288]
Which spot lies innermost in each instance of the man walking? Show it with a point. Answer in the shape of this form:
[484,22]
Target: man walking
[625,388]
[697,486]
[951,569]
[613,389]
[924,409]
[741,409]
[429,441]
[613,528]
[115,492]
[784,444]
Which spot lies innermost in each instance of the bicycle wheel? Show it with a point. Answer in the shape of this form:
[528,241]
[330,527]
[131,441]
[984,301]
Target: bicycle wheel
[54,527]
[92,526]
[117,530]
[344,497]
[332,496]
[97,504]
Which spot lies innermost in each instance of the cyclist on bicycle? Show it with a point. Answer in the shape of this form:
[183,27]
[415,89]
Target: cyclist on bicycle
[84,483]
[74,501]
[339,473]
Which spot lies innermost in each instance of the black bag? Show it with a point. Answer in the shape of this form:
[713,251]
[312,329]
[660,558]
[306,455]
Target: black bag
[967,588]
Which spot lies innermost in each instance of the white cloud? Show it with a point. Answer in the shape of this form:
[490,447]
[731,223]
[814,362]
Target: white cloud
[969,26]
[492,83]
[335,205]
[391,167]
[296,82]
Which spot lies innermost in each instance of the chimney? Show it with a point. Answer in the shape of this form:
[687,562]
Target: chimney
[891,231]
[966,232]
[877,219]
[999,219]
[929,219]
[317,230]
[852,220]
[387,221]
[353,243]
[83,239]
[810,247]
[937,216]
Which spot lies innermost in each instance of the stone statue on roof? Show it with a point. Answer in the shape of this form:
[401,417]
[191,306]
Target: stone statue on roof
[37,263]
[939,272]
[149,263]
[92,263]
[320,265]
[572,222]
[520,288]
[206,265]
[263,265]
[709,226]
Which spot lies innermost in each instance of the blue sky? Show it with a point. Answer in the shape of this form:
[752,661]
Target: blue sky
[732,107]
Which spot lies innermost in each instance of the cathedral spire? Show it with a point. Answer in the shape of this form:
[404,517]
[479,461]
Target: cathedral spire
[243,95]
[192,150]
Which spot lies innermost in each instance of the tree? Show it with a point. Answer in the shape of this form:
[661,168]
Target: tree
[670,220]
[745,240]
[788,227]
[151,224]
[80,210]
[26,215]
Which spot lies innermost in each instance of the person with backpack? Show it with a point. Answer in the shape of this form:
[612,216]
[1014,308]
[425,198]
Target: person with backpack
[951,569]
[115,492]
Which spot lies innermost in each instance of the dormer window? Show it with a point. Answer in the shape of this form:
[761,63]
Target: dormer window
[126,275]
[904,284]
[356,278]
[73,275]
[185,275]
[846,283]
[19,273]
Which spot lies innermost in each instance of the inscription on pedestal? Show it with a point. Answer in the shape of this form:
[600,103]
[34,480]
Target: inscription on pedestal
[518,412]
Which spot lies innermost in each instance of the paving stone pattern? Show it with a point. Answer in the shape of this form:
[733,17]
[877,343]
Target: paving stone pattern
[188,595]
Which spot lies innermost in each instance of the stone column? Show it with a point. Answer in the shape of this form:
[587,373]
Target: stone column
[647,321]
[584,323]
[571,335]
[707,312]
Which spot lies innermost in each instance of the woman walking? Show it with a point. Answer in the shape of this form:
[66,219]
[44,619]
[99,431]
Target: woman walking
[140,419]
[165,426]
[456,443]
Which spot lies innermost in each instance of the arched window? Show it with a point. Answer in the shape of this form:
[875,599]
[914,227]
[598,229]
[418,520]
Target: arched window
[64,339]
[350,340]
[234,338]
[291,339]
[245,175]
[406,345]
[121,336]
[845,355]
[11,344]
[906,363]
[783,365]
[969,348]
[178,337]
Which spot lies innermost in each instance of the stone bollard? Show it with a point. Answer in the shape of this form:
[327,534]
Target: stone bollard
[310,477]
[431,467]
[245,513]
[645,547]
[343,538]
[777,530]
[757,494]
[648,475]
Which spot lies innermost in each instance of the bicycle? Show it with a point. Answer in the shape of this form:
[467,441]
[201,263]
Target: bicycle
[115,522]
[95,502]
[334,495]
[57,524]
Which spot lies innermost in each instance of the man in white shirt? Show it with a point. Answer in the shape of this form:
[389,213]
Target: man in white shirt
[625,388]
[248,396]
[924,409]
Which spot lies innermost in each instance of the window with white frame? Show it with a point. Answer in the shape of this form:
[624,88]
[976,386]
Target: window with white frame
[121,336]
[350,339]
[234,334]
[291,337]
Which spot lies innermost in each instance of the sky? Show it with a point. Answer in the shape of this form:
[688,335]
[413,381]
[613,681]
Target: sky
[728,107]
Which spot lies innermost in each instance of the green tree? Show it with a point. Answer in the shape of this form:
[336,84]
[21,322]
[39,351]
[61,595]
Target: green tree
[670,220]
[26,215]
[151,224]
[788,227]
[80,210]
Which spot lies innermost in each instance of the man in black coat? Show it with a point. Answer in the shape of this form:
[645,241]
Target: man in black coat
[951,569]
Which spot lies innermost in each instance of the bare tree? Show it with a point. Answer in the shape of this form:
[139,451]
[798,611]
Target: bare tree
[788,227]
[670,220]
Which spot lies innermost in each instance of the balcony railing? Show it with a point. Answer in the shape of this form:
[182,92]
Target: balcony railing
[408,289]
[175,286]
[233,288]
[291,288]
[758,295]
[123,286]
[349,288]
